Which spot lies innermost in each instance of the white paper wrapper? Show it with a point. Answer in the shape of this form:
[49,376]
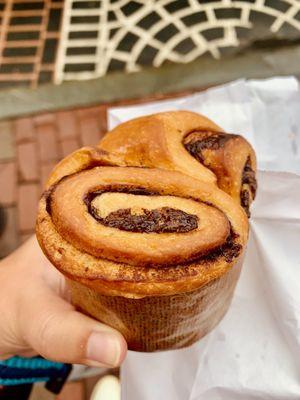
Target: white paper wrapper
[254,353]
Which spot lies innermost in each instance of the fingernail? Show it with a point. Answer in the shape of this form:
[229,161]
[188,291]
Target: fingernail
[104,348]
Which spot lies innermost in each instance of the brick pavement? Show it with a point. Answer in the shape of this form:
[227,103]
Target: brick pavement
[29,149]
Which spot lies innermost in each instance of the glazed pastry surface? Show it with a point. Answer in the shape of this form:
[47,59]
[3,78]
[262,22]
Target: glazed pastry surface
[137,231]
[148,226]
[190,143]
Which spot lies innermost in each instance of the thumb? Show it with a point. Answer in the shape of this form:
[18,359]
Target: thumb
[58,332]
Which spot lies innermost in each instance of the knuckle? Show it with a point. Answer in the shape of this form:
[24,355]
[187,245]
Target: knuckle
[45,335]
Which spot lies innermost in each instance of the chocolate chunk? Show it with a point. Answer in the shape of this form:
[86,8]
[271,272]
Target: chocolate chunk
[47,195]
[245,201]
[161,220]
[229,250]
[248,177]
[196,142]
[249,184]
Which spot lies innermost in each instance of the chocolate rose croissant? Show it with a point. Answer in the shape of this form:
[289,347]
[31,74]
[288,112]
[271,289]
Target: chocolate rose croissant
[190,143]
[153,253]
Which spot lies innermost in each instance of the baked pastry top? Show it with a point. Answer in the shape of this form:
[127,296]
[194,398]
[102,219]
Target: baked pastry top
[148,227]
[136,231]
[190,143]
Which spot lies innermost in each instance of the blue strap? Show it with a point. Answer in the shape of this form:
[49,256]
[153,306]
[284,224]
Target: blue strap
[19,370]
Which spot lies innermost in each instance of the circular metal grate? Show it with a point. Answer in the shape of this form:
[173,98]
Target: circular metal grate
[53,40]
[129,34]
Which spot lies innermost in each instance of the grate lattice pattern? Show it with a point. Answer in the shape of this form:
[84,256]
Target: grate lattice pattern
[129,34]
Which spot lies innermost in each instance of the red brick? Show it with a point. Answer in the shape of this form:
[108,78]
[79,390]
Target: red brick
[89,130]
[94,109]
[103,120]
[88,111]
[7,148]
[27,161]
[7,183]
[46,118]
[10,237]
[24,129]
[28,196]
[67,124]
[72,391]
[68,146]
[45,172]
[47,143]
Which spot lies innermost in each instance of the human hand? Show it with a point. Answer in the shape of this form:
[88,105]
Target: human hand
[37,317]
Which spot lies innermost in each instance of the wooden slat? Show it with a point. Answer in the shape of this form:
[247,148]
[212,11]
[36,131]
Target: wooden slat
[11,44]
[28,1]
[4,26]
[25,28]
[17,76]
[27,13]
[38,44]
[19,60]
[40,47]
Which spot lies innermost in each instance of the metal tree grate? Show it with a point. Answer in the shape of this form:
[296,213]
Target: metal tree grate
[129,34]
[28,40]
[56,41]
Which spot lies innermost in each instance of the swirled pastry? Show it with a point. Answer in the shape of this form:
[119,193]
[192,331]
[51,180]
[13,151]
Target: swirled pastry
[154,253]
[190,143]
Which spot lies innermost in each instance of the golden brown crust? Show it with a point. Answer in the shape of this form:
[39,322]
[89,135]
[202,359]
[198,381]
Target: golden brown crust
[79,160]
[165,140]
[154,253]
[72,220]
[77,252]
[155,141]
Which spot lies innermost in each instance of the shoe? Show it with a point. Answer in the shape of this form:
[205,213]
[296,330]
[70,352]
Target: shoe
[107,388]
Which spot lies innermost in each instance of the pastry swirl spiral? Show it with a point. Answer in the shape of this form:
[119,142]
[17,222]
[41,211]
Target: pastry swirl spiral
[154,253]
[140,225]
[190,143]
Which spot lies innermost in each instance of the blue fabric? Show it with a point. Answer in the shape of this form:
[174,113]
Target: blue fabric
[23,381]
[19,370]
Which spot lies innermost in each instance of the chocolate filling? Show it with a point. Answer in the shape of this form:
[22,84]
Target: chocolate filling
[248,178]
[195,144]
[245,201]
[229,250]
[179,222]
[161,220]
[47,194]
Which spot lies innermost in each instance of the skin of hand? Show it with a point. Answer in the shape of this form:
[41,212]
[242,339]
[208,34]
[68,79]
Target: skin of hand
[37,317]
